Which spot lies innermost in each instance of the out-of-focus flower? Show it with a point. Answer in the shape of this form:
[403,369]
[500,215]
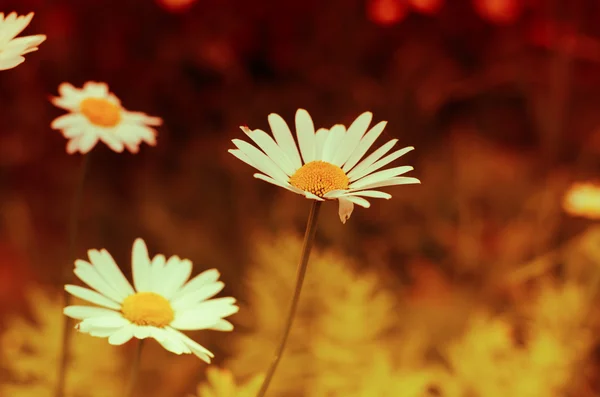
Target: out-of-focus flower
[583,199]
[176,5]
[499,11]
[386,12]
[329,164]
[427,6]
[221,383]
[29,353]
[97,114]
[162,303]
[12,48]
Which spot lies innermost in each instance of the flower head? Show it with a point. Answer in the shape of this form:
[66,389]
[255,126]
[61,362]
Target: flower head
[329,163]
[12,48]
[161,304]
[97,114]
[583,199]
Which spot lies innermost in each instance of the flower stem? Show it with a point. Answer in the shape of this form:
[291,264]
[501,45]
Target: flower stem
[309,237]
[135,369]
[73,229]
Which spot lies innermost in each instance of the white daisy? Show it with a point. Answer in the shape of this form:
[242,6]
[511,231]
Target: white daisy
[12,49]
[329,164]
[161,304]
[97,114]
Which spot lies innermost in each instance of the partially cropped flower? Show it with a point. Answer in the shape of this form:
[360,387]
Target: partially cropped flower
[12,48]
[329,164]
[221,383]
[97,114]
[583,199]
[162,303]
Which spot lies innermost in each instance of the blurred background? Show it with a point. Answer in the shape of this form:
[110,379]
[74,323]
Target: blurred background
[483,281]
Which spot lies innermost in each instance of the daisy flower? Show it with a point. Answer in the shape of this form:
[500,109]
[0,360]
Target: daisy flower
[97,114]
[159,305]
[12,49]
[329,163]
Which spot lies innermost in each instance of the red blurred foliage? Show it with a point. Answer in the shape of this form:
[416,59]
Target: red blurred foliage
[176,5]
[502,12]
[15,274]
[428,7]
[386,12]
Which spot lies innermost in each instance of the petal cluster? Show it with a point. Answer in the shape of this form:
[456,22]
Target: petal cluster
[97,114]
[12,48]
[168,278]
[280,159]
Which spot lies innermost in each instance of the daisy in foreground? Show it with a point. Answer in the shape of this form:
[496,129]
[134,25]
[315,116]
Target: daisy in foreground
[97,114]
[329,164]
[12,48]
[162,303]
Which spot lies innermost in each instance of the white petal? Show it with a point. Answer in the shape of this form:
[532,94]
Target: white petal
[68,120]
[305,131]
[381,163]
[370,193]
[89,275]
[373,157]
[92,296]
[285,185]
[157,274]
[364,145]
[206,277]
[240,155]
[199,350]
[87,142]
[358,201]
[271,149]
[345,209]
[222,325]
[122,336]
[285,139]
[320,138]
[331,145]
[140,266]
[380,176]
[11,62]
[181,272]
[260,160]
[100,332]
[110,321]
[193,297]
[142,331]
[110,139]
[205,314]
[83,312]
[170,341]
[401,180]
[352,138]
[108,269]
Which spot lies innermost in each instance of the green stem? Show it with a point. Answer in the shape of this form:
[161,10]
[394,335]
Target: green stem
[73,231]
[135,369]
[309,238]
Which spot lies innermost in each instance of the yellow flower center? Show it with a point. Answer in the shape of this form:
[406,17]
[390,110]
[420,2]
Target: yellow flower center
[319,178]
[148,308]
[101,112]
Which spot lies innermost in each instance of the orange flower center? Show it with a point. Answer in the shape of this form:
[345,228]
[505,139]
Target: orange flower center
[319,178]
[101,112]
[148,308]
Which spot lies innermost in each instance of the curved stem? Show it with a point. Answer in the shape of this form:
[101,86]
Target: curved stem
[309,237]
[73,231]
[135,369]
